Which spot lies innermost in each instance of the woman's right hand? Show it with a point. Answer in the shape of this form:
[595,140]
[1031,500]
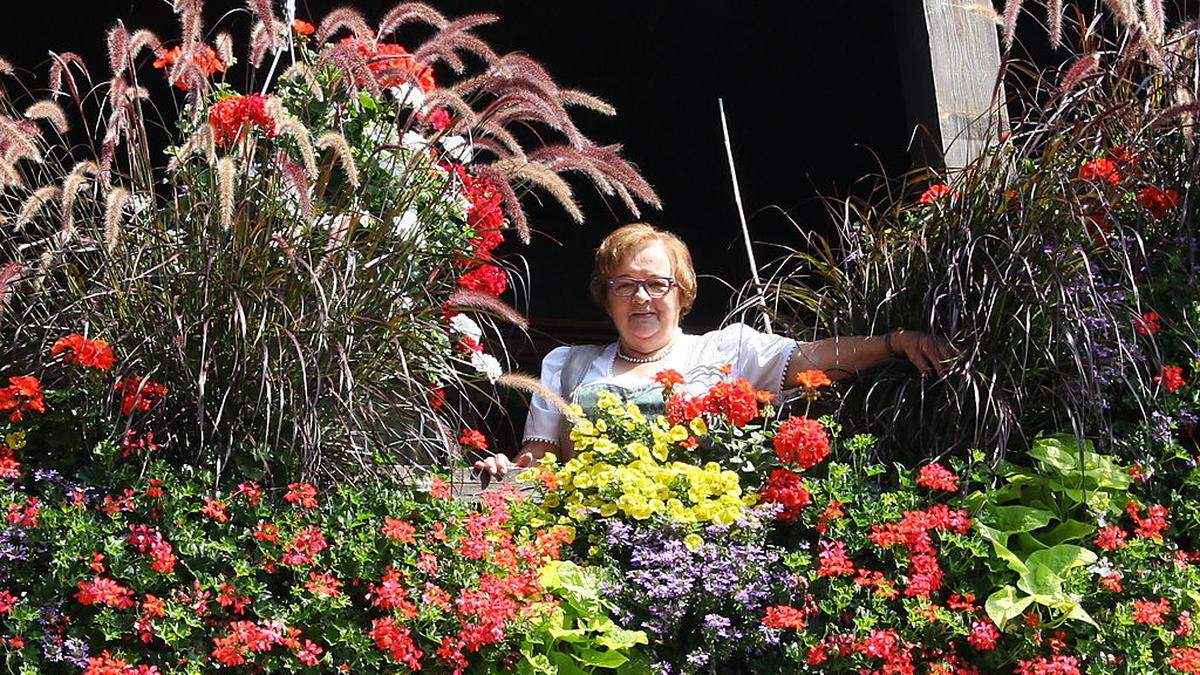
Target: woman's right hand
[498,465]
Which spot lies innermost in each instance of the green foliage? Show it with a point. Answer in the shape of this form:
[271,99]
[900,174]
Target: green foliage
[579,636]
[1029,519]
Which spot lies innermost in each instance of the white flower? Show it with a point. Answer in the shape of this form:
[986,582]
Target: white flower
[137,203]
[1102,567]
[406,223]
[465,325]
[459,148]
[414,141]
[486,364]
[379,132]
[408,96]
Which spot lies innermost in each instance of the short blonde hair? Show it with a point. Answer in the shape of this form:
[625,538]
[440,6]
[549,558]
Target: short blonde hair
[626,240]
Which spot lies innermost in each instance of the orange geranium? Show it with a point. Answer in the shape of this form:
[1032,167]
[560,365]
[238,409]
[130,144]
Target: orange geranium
[22,395]
[206,60]
[936,192]
[668,378]
[80,351]
[392,64]
[303,28]
[813,379]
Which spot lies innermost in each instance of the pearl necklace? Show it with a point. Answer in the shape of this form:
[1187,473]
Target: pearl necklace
[662,353]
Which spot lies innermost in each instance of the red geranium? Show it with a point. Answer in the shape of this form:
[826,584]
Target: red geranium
[399,531]
[1100,170]
[488,279]
[786,488]
[813,379]
[1159,202]
[1171,379]
[1148,323]
[81,351]
[473,438]
[833,559]
[303,495]
[801,441]
[1111,538]
[231,116]
[1151,613]
[396,640]
[668,378]
[9,466]
[785,616]
[737,401]
[22,395]
[682,409]
[936,192]
[937,477]
[984,635]
[139,393]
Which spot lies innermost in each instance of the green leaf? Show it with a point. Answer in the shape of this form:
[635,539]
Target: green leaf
[605,659]
[1066,531]
[1039,580]
[1057,452]
[566,664]
[1016,518]
[1005,605]
[1058,559]
[619,638]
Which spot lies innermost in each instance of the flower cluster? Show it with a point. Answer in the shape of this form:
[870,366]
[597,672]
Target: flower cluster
[624,465]
[435,584]
[233,116]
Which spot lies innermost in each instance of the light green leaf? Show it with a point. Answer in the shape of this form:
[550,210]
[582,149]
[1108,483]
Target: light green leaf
[1039,580]
[605,659]
[1017,518]
[1005,605]
[1060,558]
[1067,531]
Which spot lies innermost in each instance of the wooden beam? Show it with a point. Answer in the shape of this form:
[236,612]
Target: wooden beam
[949,60]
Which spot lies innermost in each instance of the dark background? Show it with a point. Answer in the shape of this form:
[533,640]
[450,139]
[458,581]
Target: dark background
[811,89]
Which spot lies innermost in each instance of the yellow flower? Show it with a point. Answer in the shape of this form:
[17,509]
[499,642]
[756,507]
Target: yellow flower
[15,440]
[698,426]
[660,452]
[693,541]
[678,433]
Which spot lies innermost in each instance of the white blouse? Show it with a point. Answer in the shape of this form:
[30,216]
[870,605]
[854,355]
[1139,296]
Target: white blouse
[759,357]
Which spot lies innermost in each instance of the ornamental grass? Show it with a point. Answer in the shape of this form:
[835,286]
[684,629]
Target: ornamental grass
[1047,261]
[311,266]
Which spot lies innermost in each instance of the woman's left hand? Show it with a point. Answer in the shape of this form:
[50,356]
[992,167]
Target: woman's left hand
[929,353]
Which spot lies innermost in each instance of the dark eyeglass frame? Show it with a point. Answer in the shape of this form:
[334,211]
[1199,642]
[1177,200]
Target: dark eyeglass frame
[642,283]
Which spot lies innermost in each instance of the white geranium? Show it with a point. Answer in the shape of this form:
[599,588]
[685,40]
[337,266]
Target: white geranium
[406,223]
[381,132]
[465,325]
[487,365]
[408,96]
[459,148]
[414,141]
[137,203]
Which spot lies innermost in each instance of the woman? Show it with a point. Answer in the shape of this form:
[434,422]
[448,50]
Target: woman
[644,279]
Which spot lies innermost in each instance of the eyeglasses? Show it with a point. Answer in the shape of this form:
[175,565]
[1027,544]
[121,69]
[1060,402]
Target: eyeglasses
[656,287]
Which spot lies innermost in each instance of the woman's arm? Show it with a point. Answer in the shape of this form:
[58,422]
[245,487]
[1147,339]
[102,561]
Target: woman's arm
[499,464]
[847,356]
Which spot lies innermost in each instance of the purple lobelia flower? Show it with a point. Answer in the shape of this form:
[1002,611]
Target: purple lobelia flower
[701,608]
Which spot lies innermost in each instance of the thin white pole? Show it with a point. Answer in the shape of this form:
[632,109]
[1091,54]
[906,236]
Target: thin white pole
[737,198]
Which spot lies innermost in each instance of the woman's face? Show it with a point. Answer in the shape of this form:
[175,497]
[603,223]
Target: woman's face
[645,323]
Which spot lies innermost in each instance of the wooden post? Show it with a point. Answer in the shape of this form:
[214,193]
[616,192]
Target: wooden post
[949,60]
